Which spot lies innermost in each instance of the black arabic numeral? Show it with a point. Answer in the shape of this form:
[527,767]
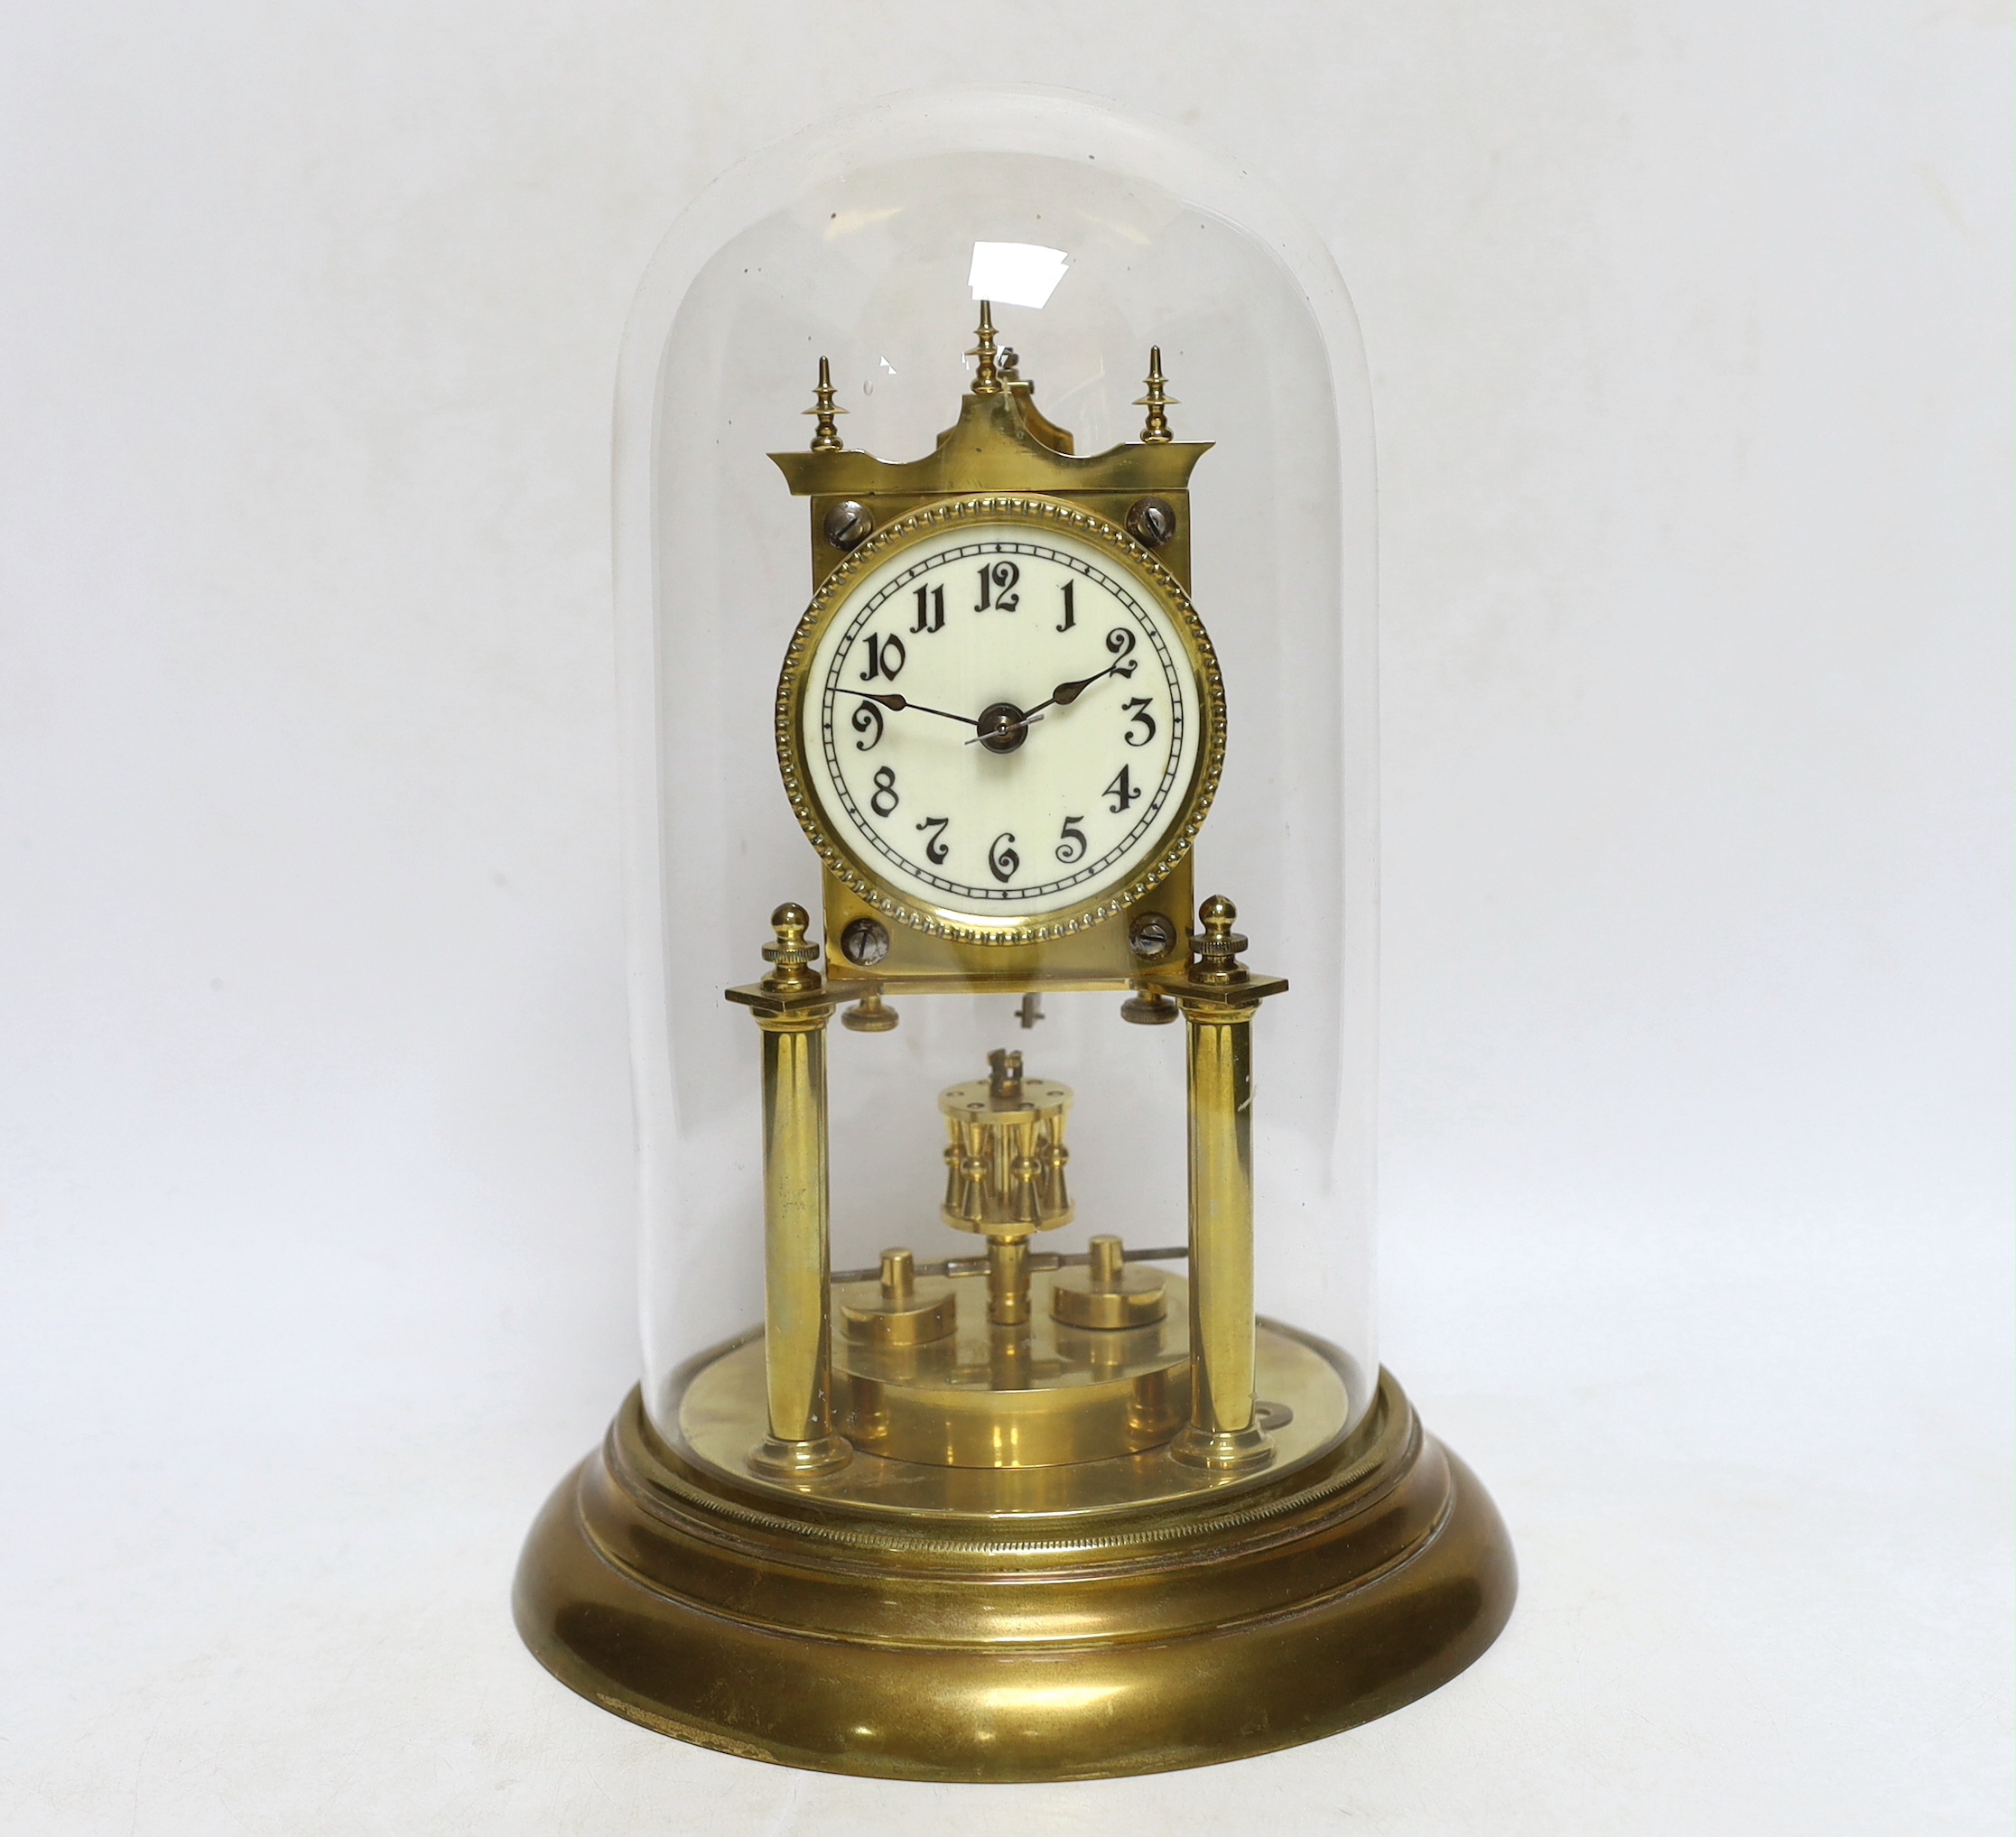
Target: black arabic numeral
[867,720]
[1121,790]
[935,850]
[1141,719]
[1072,846]
[931,610]
[885,658]
[885,788]
[997,582]
[1120,641]
[1071,611]
[1002,859]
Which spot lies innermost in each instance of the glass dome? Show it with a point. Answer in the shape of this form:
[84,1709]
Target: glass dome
[845,270]
[996,583]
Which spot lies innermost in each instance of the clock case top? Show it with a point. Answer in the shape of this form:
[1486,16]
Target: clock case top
[1003,443]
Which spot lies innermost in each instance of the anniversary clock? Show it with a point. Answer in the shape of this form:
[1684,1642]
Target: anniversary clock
[1010,1410]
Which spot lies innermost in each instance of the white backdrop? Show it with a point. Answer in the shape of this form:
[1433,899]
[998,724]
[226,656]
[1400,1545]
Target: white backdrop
[1689,339]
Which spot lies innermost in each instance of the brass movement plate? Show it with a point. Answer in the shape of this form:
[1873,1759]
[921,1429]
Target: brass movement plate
[961,1428]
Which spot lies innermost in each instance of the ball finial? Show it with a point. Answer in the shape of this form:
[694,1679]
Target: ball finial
[791,957]
[1218,945]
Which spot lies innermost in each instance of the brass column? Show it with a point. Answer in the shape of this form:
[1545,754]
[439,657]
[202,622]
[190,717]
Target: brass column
[793,1007]
[1219,999]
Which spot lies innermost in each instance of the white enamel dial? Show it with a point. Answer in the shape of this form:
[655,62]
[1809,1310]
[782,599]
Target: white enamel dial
[1001,722]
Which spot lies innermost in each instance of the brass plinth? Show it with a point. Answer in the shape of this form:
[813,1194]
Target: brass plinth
[947,1645]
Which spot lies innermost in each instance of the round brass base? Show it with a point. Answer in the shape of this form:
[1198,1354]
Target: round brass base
[813,1635]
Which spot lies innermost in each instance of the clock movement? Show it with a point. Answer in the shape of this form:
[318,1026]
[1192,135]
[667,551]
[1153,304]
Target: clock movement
[976,1441]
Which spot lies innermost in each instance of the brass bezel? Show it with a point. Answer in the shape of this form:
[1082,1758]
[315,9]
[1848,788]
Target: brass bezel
[908,531]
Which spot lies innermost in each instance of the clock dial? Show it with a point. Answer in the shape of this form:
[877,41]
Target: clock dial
[1002,720]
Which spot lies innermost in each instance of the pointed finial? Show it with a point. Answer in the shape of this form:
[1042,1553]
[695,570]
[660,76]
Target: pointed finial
[1157,433]
[987,379]
[825,438]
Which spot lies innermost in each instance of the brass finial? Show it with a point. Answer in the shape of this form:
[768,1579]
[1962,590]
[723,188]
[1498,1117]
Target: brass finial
[1157,433]
[987,379]
[1219,945]
[791,955]
[825,438]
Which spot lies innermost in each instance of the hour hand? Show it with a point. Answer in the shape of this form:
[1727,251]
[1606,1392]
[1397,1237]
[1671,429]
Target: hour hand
[1065,694]
[898,703]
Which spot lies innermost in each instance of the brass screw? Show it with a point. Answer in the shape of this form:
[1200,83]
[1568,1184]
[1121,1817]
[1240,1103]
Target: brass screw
[866,941]
[1157,433]
[870,1014]
[825,438]
[1149,1007]
[791,954]
[847,523]
[1153,937]
[1151,521]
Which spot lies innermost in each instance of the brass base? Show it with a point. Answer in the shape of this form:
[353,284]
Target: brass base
[1274,1611]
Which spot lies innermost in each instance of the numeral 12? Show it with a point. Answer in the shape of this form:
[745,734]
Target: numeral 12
[996,581]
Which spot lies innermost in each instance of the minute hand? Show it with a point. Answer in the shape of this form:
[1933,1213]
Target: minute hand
[900,703]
